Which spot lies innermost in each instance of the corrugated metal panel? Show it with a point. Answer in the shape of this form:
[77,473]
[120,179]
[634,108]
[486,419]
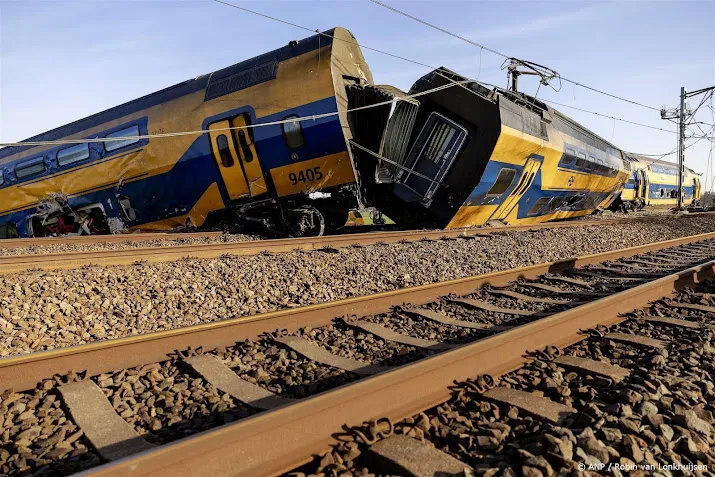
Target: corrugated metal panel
[241,80]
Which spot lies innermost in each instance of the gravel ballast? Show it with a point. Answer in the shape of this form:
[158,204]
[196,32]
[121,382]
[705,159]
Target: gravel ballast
[46,310]
[172,240]
[657,421]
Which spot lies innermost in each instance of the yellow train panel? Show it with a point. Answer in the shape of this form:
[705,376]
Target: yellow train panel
[318,173]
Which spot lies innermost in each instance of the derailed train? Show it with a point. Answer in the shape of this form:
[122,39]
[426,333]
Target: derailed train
[297,137]
[655,184]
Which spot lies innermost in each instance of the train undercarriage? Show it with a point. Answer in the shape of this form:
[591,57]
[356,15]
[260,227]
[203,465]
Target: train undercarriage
[55,218]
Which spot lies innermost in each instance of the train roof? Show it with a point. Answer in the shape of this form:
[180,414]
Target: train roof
[647,161]
[525,101]
[181,89]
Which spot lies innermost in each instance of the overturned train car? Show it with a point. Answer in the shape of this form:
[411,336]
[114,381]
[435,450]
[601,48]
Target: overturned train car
[258,172]
[467,155]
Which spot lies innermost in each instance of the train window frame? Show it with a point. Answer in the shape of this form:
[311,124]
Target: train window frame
[496,181]
[27,169]
[129,131]
[600,165]
[224,152]
[538,206]
[73,154]
[289,136]
[583,162]
[568,157]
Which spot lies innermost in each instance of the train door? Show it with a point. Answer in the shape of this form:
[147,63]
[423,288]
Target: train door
[525,181]
[249,158]
[696,190]
[436,148]
[236,158]
[646,187]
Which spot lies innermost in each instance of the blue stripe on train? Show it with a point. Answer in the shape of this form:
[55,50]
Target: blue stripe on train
[177,191]
[654,191]
[322,136]
[532,195]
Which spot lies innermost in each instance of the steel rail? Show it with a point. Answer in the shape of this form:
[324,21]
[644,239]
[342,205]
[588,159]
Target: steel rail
[22,372]
[70,260]
[274,442]
[92,239]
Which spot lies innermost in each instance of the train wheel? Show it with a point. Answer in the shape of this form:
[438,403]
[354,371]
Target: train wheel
[304,221]
[335,220]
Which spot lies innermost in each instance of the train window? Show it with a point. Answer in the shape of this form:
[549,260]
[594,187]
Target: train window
[224,151]
[245,148]
[293,133]
[662,192]
[504,180]
[573,200]
[581,160]
[569,156]
[555,203]
[8,231]
[73,154]
[567,159]
[129,133]
[600,166]
[30,168]
[538,206]
[2,177]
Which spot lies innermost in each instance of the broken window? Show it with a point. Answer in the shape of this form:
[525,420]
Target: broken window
[539,205]
[504,180]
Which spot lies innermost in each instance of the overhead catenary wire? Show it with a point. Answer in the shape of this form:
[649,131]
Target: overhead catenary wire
[247,126]
[482,47]
[248,10]
[503,55]
[608,116]
[505,91]
[184,133]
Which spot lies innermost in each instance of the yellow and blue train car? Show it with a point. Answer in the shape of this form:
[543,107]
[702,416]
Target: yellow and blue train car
[477,155]
[654,184]
[261,172]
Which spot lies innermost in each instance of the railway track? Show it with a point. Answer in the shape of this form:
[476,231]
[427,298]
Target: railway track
[69,260]
[125,397]
[91,239]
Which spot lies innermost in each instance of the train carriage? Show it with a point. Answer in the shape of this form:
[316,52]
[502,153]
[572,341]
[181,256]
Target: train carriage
[268,133]
[654,184]
[477,155]
[260,173]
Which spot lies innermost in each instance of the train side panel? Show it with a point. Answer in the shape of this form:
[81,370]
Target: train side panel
[654,184]
[479,155]
[165,182]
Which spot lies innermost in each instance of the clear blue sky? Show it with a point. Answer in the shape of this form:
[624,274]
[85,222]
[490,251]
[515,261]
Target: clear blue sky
[63,60]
